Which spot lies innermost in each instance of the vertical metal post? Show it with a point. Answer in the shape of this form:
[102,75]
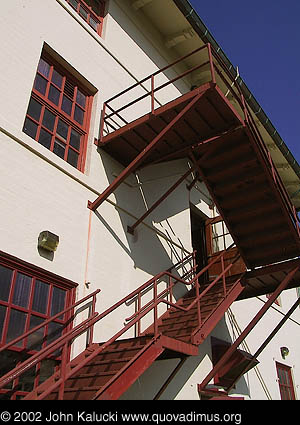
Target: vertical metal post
[63,371]
[152,94]
[155,308]
[198,302]
[102,121]
[138,312]
[170,289]
[211,63]
[223,275]
[92,312]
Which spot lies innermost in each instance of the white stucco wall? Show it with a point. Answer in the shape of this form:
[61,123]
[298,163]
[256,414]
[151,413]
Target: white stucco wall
[39,191]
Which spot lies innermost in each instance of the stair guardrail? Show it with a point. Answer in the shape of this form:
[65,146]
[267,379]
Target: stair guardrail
[152,306]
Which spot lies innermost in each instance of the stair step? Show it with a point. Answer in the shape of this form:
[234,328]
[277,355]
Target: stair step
[90,379]
[107,365]
[83,393]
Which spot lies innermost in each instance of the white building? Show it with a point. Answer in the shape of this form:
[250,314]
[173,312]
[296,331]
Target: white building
[77,171]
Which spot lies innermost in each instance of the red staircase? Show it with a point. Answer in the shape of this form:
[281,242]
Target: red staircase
[105,371]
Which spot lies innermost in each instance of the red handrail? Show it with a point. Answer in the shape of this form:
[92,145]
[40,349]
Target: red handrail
[66,371]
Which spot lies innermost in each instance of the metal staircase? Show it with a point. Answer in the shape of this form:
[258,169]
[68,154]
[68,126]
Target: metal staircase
[107,370]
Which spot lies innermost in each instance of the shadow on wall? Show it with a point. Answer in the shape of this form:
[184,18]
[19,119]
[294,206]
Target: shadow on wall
[193,371]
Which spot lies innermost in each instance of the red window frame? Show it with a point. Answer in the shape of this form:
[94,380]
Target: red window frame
[17,353]
[59,111]
[285,381]
[87,12]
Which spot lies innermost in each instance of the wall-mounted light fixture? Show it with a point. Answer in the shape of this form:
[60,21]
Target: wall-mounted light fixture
[284,352]
[48,241]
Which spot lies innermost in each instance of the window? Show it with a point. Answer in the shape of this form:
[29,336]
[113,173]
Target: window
[221,238]
[28,297]
[285,381]
[92,11]
[58,113]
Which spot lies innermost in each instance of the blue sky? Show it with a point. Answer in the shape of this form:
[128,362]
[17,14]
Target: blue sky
[262,38]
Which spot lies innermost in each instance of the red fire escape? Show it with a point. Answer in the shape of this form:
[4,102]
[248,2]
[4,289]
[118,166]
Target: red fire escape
[227,152]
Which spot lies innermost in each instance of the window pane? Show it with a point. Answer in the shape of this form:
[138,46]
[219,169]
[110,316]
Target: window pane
[44,67]
[66,105]
[80,98]
[94,24]
[40,84]
[73,158]
[78,115]
[58,300]
[59,148]
[45,138]
[30,128]
[74,3]
[40,297]
[34,109]
[22,290]
[16,326]
[35,340]
[62,129]
[48,119]
[53,95]
[5,282]
[75,139]
[57,78]
[54,331]
[2,318]
[83,12]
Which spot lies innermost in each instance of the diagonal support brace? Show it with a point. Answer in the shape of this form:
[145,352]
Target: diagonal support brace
[141,156]
[248,329]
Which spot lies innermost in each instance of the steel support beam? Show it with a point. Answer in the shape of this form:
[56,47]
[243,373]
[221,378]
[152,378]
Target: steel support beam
[130,229]
[266,342]
[248,329]
[141,156]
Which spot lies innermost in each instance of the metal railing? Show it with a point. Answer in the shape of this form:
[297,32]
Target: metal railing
[160,296]
[112,117]
[61,342]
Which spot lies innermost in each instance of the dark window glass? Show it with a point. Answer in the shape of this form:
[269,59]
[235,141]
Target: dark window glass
[45,138]
[58,300]
[53,95]
[62,129]
[35,340]
[72,157]
[75,139]
[16,325]
[44,68]
[78,115]
[22,290]
[5,282]
[74,3]
[66,105]
[40,297]
[40,84]
[48,120]
[83,12]
[80,98]
[2,318]
[30,128]
[54,331]
[34,109]
[59,148]
[57,78]
[94,24]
